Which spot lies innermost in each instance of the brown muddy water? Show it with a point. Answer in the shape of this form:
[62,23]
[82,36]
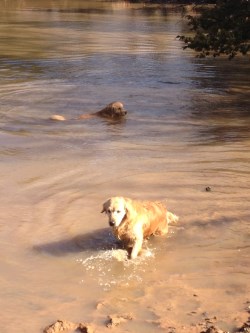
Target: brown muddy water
[188,127]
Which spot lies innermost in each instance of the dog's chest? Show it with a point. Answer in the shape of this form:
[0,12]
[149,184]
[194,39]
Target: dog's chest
[126,235]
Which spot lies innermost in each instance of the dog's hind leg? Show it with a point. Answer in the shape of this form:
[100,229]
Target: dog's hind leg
[162,230]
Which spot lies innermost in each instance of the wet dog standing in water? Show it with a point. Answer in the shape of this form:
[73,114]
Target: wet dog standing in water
[113,110]
[132,221]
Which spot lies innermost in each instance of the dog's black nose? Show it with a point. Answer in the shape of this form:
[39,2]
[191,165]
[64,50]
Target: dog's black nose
[111,223]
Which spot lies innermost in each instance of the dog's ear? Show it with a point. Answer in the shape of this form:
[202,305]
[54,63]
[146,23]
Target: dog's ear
[104,206]
[113,111]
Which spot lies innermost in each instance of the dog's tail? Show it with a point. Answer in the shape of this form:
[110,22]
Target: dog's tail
[172,218]
[57,117]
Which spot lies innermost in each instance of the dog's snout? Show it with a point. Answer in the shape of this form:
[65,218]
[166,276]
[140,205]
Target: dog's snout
[111,223]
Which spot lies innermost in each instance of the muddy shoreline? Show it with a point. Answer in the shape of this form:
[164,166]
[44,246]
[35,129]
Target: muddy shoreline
[124,319]
[208,325]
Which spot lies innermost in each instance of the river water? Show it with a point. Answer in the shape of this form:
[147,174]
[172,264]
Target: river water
[187,128]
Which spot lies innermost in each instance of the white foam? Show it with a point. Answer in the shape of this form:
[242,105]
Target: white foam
[112,267]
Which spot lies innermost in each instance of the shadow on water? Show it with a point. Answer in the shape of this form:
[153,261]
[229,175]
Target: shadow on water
[97,240]
[77,10]
[157,9]
[103,239]
[223,133]
[226,120]
[220,102]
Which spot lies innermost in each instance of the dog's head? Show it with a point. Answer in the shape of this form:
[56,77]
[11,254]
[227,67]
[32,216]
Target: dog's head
[114,110]
[116,210]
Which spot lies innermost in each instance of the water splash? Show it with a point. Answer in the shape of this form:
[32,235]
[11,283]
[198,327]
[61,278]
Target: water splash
[112,267]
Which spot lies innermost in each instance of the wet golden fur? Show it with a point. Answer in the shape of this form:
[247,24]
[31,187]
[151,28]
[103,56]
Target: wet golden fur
[113,110]
[132,221]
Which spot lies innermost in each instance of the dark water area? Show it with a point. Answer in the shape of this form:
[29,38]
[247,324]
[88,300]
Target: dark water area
[187,128]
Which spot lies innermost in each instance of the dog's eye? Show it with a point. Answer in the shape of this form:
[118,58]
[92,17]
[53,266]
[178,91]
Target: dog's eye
[109,210]
[118,211]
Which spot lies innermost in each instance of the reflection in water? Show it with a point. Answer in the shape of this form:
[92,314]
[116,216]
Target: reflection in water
[187,128]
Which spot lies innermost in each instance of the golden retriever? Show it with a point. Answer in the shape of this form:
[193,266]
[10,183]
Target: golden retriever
[132,221]
[113,110]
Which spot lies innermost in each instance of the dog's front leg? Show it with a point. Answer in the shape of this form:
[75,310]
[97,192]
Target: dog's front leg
[137,247]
